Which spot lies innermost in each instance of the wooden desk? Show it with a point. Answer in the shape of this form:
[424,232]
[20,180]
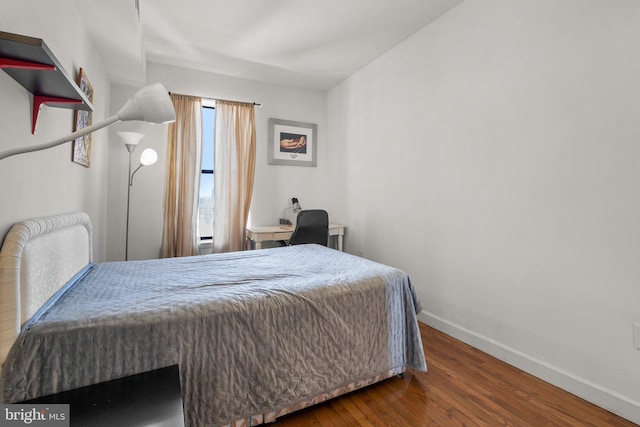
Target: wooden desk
[274,233]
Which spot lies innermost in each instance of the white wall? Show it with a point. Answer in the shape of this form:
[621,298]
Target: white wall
[495,157]
[47,182]
[274,185]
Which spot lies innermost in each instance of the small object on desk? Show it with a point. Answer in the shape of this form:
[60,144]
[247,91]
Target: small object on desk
[295,207]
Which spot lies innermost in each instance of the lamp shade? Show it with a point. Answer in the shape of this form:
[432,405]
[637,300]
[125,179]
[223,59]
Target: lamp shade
[150,104]
[148,157]
[296,205]
[130,138]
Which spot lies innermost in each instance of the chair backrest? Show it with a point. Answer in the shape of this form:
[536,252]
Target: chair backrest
[312,226]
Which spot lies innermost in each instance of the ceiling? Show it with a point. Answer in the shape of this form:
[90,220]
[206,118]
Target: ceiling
[304,43]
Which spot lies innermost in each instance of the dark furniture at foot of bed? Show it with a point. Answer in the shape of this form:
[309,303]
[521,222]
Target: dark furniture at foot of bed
[142,400]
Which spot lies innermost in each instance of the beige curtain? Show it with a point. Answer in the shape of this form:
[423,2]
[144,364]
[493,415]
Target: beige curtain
[235,159]
[179,236]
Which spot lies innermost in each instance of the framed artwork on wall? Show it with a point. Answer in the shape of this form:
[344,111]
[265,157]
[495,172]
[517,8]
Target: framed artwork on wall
[82,119]
[292,143]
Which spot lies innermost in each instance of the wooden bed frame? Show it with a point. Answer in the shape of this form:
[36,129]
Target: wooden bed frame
[27,280]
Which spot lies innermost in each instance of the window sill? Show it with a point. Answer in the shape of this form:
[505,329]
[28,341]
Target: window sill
[205,247]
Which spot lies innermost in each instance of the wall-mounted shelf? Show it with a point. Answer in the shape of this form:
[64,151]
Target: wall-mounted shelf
[29,61]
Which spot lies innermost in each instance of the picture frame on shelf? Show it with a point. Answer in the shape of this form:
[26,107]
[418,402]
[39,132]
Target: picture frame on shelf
[292,143]
[81,153]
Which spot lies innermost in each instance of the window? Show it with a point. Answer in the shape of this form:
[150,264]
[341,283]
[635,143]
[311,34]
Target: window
[205,205]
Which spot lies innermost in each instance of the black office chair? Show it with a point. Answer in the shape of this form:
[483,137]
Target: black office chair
[312,226]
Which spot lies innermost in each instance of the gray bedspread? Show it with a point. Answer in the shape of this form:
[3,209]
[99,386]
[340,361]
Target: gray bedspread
[251,331]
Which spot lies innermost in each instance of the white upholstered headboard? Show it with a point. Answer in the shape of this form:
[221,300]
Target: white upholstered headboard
[38,257]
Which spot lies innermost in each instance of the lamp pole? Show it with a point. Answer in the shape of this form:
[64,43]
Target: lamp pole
[130,148]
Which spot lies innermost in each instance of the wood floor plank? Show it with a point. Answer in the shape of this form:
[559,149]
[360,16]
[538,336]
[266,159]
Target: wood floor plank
[463,387]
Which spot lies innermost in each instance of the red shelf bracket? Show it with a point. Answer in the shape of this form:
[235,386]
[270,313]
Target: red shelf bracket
[25,65]
[38,100]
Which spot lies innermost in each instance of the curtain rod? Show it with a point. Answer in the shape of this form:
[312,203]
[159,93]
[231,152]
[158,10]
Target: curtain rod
[214,99]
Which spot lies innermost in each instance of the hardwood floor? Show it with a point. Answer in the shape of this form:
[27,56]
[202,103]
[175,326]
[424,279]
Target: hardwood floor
[464,387]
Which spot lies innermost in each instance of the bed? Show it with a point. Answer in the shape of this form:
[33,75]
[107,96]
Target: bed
[256,334]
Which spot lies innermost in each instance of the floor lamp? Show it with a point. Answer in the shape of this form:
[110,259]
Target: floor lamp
[148,157]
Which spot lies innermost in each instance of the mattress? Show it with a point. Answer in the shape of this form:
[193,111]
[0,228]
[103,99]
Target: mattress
[252,331]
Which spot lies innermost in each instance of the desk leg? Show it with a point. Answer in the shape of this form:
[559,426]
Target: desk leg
[258,245]
[340,242]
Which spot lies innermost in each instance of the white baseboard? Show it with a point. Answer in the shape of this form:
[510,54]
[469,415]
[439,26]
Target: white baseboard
[594,393]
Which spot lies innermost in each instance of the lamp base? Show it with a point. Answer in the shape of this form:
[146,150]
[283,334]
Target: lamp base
[284,221]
